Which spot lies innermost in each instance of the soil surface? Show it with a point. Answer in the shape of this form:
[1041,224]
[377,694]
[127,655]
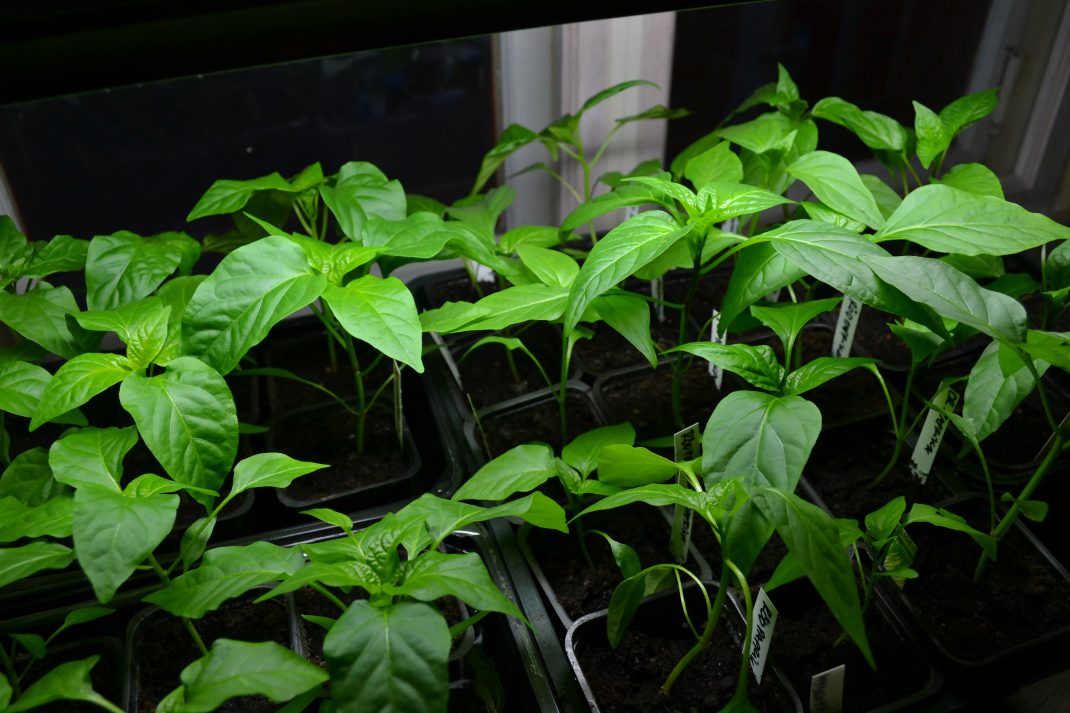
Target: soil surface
[853,396]
[539,422]
[486,375]
[628,679]
[164,647]
[1021,596]
[873,338]
[607,350]
[328,436]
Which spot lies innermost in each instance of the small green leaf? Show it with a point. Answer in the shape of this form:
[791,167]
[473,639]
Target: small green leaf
[21,386]
[628,315]
[582,452]
[819,211]
[881,523]
[817,372]
[522,303]
[552,267]
[933,135]
[382,313]
[1035,510]
[834,180]
[623,196]
[513,138]
[756,364]
[964,111]
[331,517]
[518,470]
[195,540]
[77,381]
[769,132]
[973,178]
[630,467]
[759,270]
[29,480]
[433,575]
[787,320]
[721,201]
[887,199]
[269,470]
[91,456]
[940,517]
[229,196]
[62,253]
[152,484]
[40,316]
[20,562]
[125,267]
[66,682]
[877,131]
[445,516]
[50,519]
[716,164]
[33,643]
[991,394]
[654,495]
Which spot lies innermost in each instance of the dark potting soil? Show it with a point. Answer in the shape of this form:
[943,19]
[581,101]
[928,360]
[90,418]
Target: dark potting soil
[628,679]
[537,422]
[807,641]
[873,338]
[457,289]
[487,377]
[608,350]
[583,588]
[1020,439]
[853,396]
[644,397]
[329,436]
[164,647]
[1020,597]
[106,674]
[846,460]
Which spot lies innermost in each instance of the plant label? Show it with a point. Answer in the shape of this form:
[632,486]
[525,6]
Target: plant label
[901,553]
[846,324]
[686,446]
[715,371]
[761,633]
[447,357]
[657,292]
[773,296]
[826,690]
[932,432]
[483,273]
[731,225]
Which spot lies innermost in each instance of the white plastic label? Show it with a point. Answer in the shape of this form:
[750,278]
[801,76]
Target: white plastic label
[731,225]
[826,690]
[761,634]
[687,444]
[846,324]
[483,273]
[448,358]
[932,432]
[631,211]
[773,296]
[657,291]
[715,371]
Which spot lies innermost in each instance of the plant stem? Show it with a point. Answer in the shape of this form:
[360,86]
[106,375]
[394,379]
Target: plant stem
[330,596]
[562,393]
[678,362]
[900,427]
[9,666]
[741,681]
[707,636]
[185,622]
[358,380]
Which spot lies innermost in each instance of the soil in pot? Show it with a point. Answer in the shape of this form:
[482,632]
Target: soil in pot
[456,287]
[628,679]
[607,350]
[873,338]
[486,374]
[1020,598]
[855,395]
[163,647]
[540,421]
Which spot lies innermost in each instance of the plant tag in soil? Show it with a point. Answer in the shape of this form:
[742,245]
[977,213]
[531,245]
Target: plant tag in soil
[901,553]
[448,358]
[687,445]
[761,634]
[731,225]
[932,432]
[846,324]
[483,273]
[826,690]
[397,404]
[657,292]
[715,371]
[773,296]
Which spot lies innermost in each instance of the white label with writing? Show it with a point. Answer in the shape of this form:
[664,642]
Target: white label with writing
[447,357]
[631,211]
[483,273]
[687,444]
[715,371]
[932,432]
[773,296]
[846,324]
[657,291]
[761,633]
[731,225]
[826,690]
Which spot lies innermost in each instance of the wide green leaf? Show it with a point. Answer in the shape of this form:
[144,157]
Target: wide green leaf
[242,668]
[921,512]
[269,470]
[21,386]
[817,372]
[629,315]
[445,516]
[433,575]
[40,315]
[382,313]
[964,111]
[50,519]
[91,456]
[124,267]
[66,682]
[813,539]
[62,253]
[228,196]
[187,418]
[582,452]
[788,319]
[617,255]
[251,290]
[77,381]
[389,659]
[933,134]
[973,178]
[623,196]
[759,270]
[765,438]
[946,219]
[513,138]
[552,267]
[716,164]
[721,201]
[758,365]
[225,573]
[518,470]
[20,562]
[114,533]
[992,395]
[834,180]
[28,478]
[768,132]
[953,295]
[877,131]
[625,466]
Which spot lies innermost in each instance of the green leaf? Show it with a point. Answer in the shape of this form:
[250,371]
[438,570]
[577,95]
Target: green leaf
[617,255]
[539,236]
[40,315]
[881,523]
[877,131]
[1035,510]
[124,267]
[817,372]
[152,484]
[765,438]
[669,189]
[331,517]
[819,211]
[887,199]
[953,295]
[759,270]
[91,456]
[5,692]
[945,219]
[225,573]
[382,313]
[788,319]
[433,575]
[229,196]
[15,252]
[33,643]
[626,466]
[934,138]
[518,470]
[241,668]
[115,532]
[552,267]
[50,519]
[445,516]
[628,315]
[251,290]
[388,660]
[837,184]
[62,253]
[1052,347]
[29,480]
[627,559]
[756,364]
[628,595]
[950,521]
[269,470]
[77,381]
[20,562]
[66,682]
[513,138]
[979,267]
[187,418]
[813,539]
[623,196]
[721,201]
[654,495]
[964,111]
[522,303]
[716,164]
[769,132]
[143,326]
[583,451]
[195,540]
[991,395]
[21,386]
[973,178]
